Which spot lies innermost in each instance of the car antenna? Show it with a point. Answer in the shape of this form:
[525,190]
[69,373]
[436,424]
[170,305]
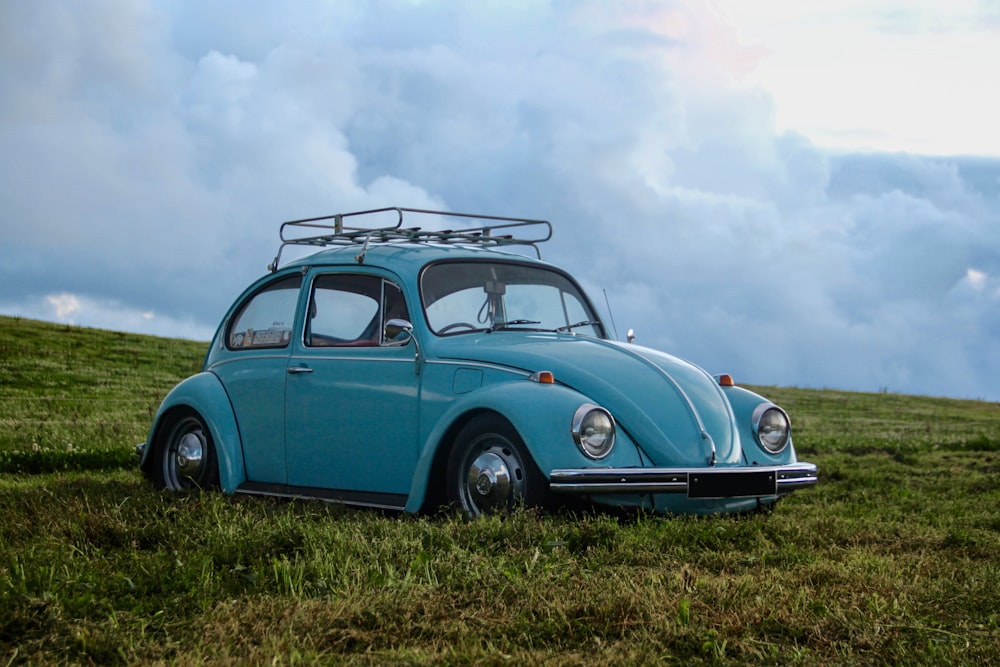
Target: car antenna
[608,302]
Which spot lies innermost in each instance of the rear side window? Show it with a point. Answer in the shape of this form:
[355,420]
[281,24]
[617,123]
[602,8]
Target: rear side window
[265,320]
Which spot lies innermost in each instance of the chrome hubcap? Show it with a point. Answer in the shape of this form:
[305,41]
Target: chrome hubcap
[493,481]
[190,451]
[489,478]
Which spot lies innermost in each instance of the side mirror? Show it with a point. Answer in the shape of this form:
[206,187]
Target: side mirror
[630,335]
[398,330]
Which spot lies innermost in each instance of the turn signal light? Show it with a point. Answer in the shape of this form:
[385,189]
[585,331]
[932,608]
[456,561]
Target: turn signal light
[726,380]
[542,377]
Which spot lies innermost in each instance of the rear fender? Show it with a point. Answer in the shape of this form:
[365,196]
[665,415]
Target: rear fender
[205,394]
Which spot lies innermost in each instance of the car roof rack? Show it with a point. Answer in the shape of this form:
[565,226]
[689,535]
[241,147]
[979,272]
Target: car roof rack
[302,232]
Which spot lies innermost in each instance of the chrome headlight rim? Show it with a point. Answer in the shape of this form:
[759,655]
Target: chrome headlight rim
[591,447]
[763,440]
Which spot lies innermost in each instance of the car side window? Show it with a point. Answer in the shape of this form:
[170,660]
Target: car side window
[351,310]
[265,319]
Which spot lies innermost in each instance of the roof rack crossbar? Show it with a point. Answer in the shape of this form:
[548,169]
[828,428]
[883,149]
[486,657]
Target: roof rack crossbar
[336,233]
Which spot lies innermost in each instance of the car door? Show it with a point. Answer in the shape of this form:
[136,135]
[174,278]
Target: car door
[253,370]
[351,401]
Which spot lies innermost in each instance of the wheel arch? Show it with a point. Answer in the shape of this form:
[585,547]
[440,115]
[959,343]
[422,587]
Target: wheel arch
[203,394]
[436,492]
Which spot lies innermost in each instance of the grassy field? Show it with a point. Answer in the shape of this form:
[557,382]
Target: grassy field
[894,558]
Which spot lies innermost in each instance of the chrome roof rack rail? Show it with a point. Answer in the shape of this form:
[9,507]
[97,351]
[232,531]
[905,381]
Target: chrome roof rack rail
[335,232]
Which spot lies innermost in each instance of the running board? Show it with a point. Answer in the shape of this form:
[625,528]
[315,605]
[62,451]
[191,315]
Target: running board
[386,501]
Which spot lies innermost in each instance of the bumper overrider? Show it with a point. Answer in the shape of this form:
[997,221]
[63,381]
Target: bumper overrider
[701,483]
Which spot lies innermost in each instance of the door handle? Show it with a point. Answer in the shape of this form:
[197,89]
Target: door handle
[295,370]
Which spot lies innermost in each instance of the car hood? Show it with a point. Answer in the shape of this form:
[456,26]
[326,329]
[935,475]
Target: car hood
[672,409]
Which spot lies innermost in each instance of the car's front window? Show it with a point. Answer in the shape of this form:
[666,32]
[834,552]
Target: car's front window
[460,297]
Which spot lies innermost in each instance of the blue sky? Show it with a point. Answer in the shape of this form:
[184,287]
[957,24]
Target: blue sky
[797,193]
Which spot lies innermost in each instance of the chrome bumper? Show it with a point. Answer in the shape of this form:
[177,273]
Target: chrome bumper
[717,482]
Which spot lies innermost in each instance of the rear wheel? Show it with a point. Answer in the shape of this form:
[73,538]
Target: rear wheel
[490,470]
[185,454]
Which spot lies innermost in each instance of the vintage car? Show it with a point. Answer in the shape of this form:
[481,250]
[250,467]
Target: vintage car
[411,369]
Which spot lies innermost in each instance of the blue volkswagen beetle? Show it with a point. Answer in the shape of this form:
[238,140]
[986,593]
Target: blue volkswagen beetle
[411,369]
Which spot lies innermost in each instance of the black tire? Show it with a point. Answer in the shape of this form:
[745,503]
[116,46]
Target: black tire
[184,456]
[490,469]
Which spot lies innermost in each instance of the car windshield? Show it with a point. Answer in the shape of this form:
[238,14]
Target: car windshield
[460,297]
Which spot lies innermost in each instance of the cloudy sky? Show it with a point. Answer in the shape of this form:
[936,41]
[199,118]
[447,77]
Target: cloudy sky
[797,193]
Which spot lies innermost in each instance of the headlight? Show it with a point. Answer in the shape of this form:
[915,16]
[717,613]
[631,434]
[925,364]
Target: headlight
[771,427]
[593,431]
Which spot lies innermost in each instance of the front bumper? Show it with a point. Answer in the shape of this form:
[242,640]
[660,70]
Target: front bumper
[701,483]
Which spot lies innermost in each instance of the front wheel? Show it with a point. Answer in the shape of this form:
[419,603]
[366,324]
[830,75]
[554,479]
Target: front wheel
[185,454]
[490,470]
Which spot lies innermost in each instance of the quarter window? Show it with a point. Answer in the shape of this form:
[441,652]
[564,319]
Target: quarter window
[265,320]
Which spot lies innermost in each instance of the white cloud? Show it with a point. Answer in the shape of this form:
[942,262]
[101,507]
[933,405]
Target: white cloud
[913,76]
[148,183]
[977,279]
[65,305]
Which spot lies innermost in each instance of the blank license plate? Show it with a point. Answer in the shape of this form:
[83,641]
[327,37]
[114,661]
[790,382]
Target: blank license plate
[732,484]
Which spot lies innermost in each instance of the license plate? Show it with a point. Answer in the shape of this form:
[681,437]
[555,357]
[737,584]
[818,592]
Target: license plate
[732,484]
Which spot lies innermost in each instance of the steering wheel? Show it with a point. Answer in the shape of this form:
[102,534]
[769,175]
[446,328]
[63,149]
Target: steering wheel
[454,325]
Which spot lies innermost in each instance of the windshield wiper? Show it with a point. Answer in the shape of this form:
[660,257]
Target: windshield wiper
[504,325]
[581,323]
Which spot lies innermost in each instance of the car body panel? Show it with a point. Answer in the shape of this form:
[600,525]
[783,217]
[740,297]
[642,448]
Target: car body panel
[256,387]
[356,411]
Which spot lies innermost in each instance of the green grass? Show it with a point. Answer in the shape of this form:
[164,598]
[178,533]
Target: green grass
[892,558]
[74,398]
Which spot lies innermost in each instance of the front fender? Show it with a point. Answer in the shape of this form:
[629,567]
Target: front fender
[205,394]
[743,402]
[542,415]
